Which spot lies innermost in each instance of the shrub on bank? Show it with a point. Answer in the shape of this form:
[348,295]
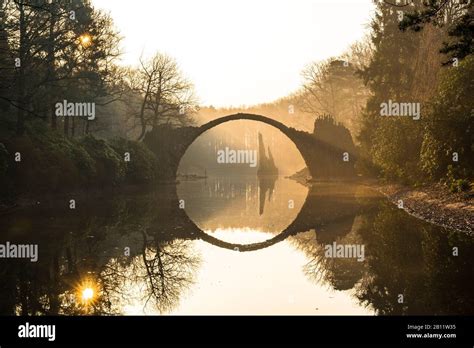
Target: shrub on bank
[110,167]
[51,162]
[60,162]
[142,165]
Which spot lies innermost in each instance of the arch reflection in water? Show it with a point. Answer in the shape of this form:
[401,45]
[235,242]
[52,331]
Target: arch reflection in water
[241,197]
[171,269]
[253,204]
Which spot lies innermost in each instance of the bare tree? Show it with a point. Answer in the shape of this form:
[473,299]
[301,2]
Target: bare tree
[166,96]
[318,94]
[334,87]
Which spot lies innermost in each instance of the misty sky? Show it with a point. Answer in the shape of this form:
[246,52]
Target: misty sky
[239,52]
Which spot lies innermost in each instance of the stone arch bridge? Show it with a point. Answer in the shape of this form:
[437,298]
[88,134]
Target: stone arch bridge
[322,159]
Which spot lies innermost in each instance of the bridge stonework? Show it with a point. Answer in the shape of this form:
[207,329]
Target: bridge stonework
[322,159]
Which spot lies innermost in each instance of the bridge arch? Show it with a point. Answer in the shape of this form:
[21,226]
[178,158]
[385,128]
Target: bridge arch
[240,116]
[291,133]
[322,159]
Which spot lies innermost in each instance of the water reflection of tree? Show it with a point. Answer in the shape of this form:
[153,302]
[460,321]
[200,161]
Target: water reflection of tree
[403,256]
[169,269]
[339,273]
[90,245]
[412,258]
[333,218]
[160,273]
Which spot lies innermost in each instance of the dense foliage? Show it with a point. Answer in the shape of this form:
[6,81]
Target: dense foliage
[49,162]
[438,146]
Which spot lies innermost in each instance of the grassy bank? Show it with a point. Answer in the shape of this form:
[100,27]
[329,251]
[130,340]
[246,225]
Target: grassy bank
[43,161]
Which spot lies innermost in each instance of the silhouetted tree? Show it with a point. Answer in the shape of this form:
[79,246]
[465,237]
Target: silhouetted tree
[166,96]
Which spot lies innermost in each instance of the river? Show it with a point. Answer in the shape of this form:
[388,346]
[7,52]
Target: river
[216,246]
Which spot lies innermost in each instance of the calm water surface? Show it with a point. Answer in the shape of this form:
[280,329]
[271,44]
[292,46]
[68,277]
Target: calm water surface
[233,245]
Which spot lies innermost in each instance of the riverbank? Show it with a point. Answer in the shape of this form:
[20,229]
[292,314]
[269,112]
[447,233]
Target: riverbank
[44,163]
[433,203]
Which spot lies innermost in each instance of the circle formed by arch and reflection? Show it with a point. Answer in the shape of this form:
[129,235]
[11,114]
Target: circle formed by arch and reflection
[229,202]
